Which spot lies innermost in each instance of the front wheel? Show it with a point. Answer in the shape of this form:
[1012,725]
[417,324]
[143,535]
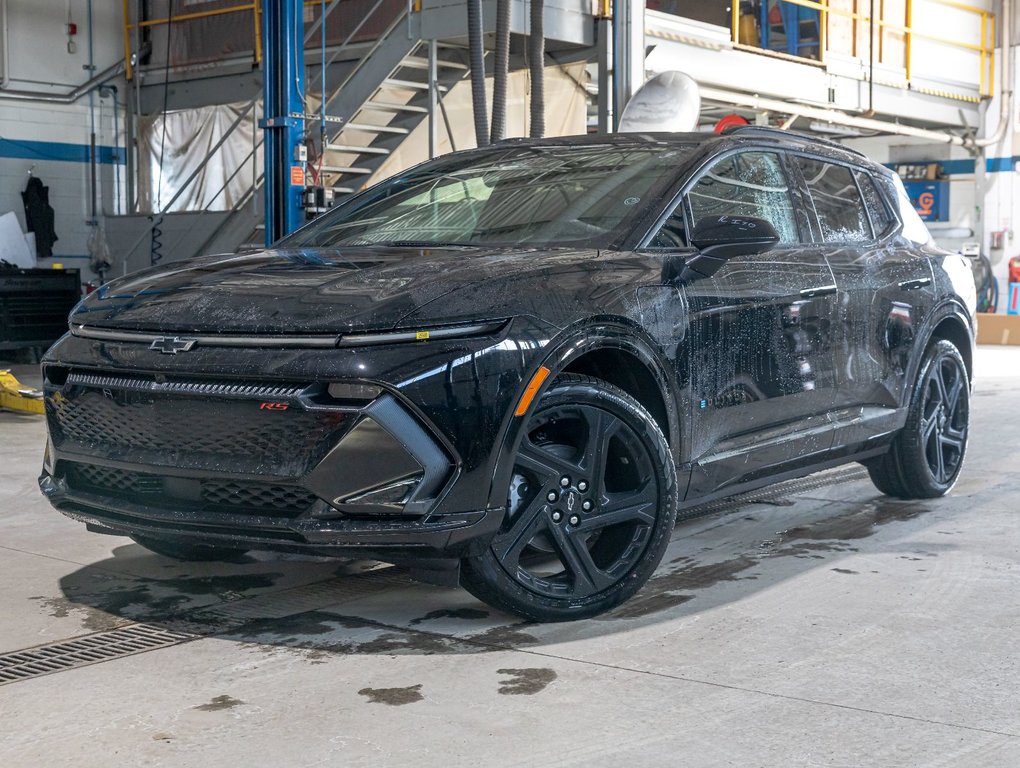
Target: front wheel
[590,507]
[926,457]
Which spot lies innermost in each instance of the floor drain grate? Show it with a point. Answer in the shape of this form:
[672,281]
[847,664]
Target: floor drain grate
[191,625]
[82,651]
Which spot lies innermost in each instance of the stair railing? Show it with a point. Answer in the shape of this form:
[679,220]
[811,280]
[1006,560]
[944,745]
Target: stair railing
[400,17]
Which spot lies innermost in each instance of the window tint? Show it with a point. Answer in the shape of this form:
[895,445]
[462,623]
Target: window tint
[838,204]
[881,219]
[747,184]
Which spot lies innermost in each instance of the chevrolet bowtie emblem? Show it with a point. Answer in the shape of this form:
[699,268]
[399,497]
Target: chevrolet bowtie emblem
[171,345]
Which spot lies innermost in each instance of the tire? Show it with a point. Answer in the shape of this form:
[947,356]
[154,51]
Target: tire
[590,508]
[926,457]
[180,550]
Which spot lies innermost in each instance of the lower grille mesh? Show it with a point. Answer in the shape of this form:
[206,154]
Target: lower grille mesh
[108,478]
[223,495]
[256,496]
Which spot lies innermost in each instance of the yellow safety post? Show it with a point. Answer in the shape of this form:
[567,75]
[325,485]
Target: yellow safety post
[18,398]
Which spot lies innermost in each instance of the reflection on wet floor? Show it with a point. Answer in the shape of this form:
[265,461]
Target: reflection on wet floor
[821,527]
[323,608]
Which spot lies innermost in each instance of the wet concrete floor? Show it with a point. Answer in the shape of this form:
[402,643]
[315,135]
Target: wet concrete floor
[822,627]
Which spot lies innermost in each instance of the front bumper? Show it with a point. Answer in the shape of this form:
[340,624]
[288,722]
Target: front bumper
[208,447]
[437,537]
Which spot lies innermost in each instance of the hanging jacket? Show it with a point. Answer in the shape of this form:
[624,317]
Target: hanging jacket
[39,216]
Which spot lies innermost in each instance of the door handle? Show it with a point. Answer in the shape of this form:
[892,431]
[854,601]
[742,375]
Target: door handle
[822,290]
[910,285]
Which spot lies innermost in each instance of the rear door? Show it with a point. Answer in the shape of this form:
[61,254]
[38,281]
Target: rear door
[884,286]
[760,367]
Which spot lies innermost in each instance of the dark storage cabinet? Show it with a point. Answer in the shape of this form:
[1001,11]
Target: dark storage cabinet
[34,305]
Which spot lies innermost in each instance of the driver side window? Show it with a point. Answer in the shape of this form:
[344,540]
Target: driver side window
[747,184]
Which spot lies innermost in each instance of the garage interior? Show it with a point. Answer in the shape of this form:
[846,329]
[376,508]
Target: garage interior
[813,622]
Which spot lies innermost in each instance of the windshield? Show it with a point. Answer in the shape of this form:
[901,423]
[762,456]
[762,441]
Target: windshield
[507,196]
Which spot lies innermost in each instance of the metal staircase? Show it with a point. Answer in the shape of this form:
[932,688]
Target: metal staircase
[389,86]
[381,101]
[371,129]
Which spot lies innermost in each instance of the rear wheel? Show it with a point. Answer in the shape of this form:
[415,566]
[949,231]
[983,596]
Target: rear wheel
[927,455]
[180,550]
[590,507]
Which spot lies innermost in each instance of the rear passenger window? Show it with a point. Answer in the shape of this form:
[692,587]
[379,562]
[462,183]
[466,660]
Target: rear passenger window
[838,205]
[881,219]
[746,184]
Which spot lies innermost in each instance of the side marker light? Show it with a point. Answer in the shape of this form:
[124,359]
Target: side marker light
[529,394]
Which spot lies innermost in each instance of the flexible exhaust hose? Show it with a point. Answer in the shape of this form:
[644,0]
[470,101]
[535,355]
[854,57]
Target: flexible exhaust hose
[536,56]
[499,74]
[476,53]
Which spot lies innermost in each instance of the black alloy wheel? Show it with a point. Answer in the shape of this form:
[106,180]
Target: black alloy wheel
[945,417]
[926,457]
[590,507]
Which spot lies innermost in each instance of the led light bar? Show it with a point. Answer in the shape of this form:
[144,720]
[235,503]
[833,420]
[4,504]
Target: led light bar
[430,334]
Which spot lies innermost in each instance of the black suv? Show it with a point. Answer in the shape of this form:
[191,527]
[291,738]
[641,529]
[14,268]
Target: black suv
[511,366]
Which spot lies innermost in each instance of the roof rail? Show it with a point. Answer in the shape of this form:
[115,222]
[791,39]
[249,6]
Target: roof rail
[781,133]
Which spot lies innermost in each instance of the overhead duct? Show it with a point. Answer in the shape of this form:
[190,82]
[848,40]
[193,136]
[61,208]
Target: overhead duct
[667,102]
[476,53]
[500,70]
[536,56]
[758,103]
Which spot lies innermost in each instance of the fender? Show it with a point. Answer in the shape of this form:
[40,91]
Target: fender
[572,343]
[947,307]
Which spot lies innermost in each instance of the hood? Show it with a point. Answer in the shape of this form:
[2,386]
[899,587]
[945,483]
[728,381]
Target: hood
[304,290]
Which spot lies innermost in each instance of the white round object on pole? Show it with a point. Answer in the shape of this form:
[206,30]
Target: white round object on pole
[670,101]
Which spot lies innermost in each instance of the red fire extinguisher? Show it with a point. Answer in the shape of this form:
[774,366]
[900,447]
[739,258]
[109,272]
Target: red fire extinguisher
[1014,269]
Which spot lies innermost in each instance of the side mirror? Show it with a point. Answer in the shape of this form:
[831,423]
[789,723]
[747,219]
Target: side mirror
[724,237]
[720,238]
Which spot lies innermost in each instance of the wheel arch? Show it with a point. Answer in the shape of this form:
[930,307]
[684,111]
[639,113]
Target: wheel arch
[951,322]
[616,351]
[953,328]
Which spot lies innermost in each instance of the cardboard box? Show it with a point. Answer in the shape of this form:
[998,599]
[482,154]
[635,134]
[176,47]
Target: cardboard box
[998,329]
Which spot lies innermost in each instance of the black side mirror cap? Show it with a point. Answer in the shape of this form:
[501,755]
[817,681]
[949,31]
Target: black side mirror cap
[720,238]
[724,237]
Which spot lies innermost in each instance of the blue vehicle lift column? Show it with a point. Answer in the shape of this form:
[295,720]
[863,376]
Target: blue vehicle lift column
[283,71]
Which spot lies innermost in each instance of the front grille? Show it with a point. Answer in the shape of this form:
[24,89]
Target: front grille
[206,493]
[226,427]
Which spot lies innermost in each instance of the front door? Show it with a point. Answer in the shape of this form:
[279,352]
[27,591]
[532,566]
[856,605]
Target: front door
[760,367]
